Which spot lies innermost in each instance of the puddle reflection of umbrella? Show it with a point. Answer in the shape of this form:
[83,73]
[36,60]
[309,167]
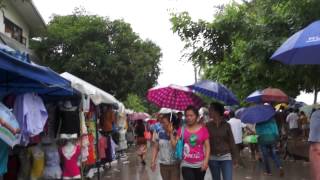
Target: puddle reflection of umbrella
[257,114]
[174,97]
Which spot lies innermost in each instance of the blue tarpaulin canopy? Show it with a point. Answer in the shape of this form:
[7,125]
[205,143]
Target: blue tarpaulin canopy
[19,76]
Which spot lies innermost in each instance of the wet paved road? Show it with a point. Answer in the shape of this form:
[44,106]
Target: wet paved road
[133,170]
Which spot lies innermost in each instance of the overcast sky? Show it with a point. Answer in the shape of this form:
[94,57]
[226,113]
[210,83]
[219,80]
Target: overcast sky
[150,19]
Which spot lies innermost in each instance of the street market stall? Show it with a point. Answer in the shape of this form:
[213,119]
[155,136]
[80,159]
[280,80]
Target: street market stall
[28,127]
[99,123]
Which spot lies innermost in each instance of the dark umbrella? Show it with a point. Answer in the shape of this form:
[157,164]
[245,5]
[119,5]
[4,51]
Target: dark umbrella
[301,48]
[257,114]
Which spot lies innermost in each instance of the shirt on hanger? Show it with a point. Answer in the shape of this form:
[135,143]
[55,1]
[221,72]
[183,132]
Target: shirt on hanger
[31,115]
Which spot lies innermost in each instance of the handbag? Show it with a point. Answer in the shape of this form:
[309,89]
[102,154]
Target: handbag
[250,139]
[180,146]
[147,134]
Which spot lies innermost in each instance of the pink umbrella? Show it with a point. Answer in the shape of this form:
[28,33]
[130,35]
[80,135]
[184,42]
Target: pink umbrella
[138,116]
[174,97]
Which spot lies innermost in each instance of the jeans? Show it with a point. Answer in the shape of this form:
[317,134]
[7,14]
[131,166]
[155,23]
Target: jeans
[269,150]
[218,167]
[193,173]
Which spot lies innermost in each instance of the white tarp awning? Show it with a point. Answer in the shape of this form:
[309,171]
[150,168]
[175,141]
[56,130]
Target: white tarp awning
[97,95]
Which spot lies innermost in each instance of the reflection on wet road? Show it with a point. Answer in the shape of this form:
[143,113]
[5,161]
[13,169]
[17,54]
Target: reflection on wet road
[131,169]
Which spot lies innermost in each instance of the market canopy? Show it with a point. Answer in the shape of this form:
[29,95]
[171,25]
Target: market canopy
[97,95]
[18,75]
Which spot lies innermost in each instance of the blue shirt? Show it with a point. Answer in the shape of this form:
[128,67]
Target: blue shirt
[314,135]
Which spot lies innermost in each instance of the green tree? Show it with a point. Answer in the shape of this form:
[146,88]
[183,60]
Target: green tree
[235,48]
[135,103]
[105,53]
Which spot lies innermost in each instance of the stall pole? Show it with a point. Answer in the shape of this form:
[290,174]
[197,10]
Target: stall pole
[97,140]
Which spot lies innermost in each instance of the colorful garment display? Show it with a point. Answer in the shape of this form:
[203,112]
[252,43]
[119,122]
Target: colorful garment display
[52,168]
[84,148]
[122,125]
[37,166]
[70,154]
[102,147]
[8,126]
[31,115]
[107,120]
[92,155]
[109,150]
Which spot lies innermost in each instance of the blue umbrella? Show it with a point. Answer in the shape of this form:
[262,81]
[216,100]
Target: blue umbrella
[257,114]
[215,90]
[255,97]
[239,112]
[301,48]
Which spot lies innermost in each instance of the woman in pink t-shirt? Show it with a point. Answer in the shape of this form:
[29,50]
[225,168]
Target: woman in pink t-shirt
[196,146]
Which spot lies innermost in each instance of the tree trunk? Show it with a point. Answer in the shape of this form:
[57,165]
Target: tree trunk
[315,96]
[195,74]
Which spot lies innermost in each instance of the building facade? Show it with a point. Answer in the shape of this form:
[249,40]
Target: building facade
[19,22]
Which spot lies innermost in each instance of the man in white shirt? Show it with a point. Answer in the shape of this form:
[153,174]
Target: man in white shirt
[237,128]
[293,119]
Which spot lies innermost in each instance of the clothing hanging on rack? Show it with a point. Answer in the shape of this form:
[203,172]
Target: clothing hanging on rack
[70,154]
[37,166]
[70,120]
[31,115]
[107,120]
[25,164]
[102,147]
[91,160]
[52,168]
[108,150]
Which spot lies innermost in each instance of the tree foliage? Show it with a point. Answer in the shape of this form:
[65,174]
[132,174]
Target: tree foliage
[135,103]
[235,48]
[105,53]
